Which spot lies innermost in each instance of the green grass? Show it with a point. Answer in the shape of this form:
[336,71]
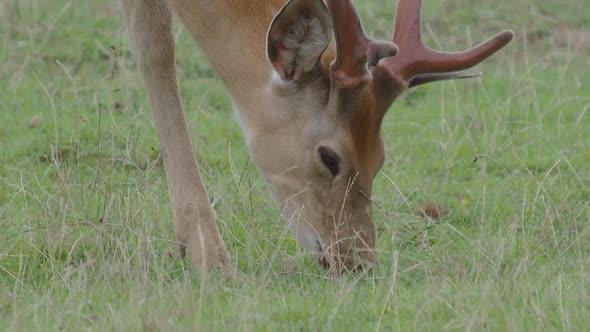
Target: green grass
[86,230]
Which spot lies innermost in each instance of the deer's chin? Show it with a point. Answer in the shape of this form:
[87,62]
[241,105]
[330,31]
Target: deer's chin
[310,241]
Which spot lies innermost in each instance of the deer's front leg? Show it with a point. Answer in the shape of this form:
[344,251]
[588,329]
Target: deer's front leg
[150,28]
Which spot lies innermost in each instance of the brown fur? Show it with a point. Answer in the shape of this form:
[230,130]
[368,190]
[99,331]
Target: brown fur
[291,103]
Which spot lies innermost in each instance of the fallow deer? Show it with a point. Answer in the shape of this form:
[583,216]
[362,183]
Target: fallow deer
[311,111]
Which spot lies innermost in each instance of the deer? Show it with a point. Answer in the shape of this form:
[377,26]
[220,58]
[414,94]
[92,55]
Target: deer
[310,109]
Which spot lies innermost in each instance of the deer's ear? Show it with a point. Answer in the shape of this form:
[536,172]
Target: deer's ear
[297,37]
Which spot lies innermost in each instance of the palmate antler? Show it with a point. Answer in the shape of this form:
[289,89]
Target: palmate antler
[410,63]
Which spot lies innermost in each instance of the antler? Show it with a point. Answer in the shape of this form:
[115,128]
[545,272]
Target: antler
[417,64]
[354,50]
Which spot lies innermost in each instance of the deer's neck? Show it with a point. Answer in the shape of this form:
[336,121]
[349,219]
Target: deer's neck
[232,33]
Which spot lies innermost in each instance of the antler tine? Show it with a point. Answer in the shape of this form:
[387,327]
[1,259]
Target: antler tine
[408,24]
[354,50]
[418,64]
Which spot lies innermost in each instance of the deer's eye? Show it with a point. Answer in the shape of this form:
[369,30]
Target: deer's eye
[330,159]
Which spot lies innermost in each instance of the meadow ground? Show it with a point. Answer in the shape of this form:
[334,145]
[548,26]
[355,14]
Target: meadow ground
[86,231]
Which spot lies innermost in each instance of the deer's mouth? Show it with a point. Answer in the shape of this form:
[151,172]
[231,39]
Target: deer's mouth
[322,259]
[338,264]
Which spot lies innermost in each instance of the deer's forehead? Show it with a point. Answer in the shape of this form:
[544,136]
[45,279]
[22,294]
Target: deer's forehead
[366,138]
[368,156]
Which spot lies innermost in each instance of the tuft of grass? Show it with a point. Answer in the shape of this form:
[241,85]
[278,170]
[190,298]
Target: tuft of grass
[87,239]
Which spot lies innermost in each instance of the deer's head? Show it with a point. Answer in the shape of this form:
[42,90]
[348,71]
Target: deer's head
[320,148]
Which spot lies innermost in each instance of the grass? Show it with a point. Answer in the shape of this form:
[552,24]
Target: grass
[86,232]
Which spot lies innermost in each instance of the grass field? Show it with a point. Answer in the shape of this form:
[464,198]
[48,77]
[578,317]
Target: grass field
[86,240]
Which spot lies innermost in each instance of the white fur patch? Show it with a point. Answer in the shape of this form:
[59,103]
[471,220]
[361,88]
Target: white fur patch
[310,241]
